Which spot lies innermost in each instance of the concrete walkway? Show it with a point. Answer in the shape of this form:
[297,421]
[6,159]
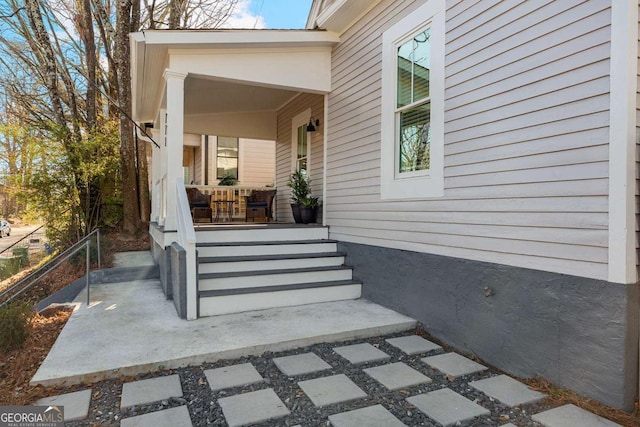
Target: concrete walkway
[131,328]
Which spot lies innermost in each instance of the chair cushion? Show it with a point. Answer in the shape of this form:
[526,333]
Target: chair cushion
[256,204]
[199,204]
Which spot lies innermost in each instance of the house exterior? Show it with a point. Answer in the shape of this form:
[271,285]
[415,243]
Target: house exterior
[476,161]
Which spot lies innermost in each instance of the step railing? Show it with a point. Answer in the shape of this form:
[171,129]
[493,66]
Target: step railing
[187,240]
[23,285]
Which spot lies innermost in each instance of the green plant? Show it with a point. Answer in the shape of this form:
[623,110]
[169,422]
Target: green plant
[228,179]
[309,202]
[15,322]
[300,186]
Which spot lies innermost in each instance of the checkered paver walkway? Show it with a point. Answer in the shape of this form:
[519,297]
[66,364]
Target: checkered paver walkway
[352,376]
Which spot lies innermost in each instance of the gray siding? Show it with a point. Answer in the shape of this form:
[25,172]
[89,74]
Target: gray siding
[526,137]
[283,150]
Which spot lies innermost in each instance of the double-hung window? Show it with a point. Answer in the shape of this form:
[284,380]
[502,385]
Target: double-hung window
[227,157]
[413,105]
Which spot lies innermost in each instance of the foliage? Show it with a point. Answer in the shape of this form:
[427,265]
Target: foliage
[15,322]
[228,179]
[300,185]
[309,202]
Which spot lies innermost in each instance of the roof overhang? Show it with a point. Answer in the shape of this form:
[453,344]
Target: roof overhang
[337,15]
[291,61]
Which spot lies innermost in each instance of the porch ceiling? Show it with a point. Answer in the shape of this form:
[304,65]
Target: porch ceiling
[203,95]
[229,71]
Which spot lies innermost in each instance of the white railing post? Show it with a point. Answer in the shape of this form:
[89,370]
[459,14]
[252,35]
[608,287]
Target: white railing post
[187,240]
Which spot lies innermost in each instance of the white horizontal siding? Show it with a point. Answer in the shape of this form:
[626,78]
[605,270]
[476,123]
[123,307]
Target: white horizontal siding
[526,137]
[257,162]
[283,150]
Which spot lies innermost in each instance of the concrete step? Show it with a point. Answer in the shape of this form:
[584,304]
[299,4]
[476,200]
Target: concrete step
[261,233]
[214,303]
[255,279]
[228,249]
[269,262]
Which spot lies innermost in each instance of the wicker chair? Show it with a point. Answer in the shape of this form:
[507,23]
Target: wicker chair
[200,205]
[259,204]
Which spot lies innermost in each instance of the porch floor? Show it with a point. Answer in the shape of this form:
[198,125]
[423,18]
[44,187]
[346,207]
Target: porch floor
[131,328]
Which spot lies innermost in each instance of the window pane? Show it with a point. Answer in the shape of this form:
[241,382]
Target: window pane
[227,157]
[405,60]
[227,166]
[421,60]
[415,138]
[413,70]
[302,142]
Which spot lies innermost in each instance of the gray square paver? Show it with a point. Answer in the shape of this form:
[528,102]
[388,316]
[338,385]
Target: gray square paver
[447,407]
[151,390]
[178,416]
[329,390]
[76,404]
[571,416]
[371,416]
[253,407]
[413,344]
[300,364]
[453,364]
[507,390]
[361,353]
[232,376]
[396,376]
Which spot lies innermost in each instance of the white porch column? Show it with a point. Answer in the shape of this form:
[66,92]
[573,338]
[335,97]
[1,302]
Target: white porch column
[175,132]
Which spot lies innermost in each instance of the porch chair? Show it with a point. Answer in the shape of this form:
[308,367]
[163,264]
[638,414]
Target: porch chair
[259,205]
[200,205]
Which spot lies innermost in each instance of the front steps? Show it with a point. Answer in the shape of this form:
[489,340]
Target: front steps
[254,267]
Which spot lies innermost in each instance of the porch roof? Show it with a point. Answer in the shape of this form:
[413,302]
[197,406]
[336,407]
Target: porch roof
[262,68]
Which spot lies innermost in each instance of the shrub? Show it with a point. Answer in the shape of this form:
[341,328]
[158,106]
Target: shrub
[15,320]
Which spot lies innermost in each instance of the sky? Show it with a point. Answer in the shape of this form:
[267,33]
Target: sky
[280,14]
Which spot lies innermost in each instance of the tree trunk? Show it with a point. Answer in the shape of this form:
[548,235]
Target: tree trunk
[88,39]
[131,224]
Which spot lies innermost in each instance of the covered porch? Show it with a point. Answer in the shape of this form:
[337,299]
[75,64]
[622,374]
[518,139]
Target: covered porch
[263,85]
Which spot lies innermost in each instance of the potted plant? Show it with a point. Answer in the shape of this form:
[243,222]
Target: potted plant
[228,179]
[308,209]
[300,188]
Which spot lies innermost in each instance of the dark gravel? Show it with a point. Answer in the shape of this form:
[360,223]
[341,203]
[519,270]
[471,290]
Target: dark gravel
[205,411]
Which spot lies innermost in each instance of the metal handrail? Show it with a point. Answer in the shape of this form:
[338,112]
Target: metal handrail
[82,244]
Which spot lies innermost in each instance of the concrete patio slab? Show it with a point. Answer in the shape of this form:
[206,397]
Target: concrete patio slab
[178,416]
[397,375]
[76,404]
[447,407]
[300,364]
[413,344]
[137,330]
[361,353]
[571,416]
[453,364]
[232,376]
[371,416]
[329,390]
[507,390]
[251,408]
[133,259]
[151,390]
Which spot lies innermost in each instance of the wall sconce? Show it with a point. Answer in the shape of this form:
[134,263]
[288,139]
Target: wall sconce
[313,122]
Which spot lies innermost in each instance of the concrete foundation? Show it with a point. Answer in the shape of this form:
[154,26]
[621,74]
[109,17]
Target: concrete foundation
[178,285]
[576,332]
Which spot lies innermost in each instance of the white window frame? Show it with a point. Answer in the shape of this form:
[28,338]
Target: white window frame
[301,119]
[421,184]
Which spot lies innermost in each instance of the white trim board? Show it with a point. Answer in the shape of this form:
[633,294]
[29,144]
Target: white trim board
[622,143]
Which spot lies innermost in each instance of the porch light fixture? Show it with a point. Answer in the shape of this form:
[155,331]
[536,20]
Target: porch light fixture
[313,122]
